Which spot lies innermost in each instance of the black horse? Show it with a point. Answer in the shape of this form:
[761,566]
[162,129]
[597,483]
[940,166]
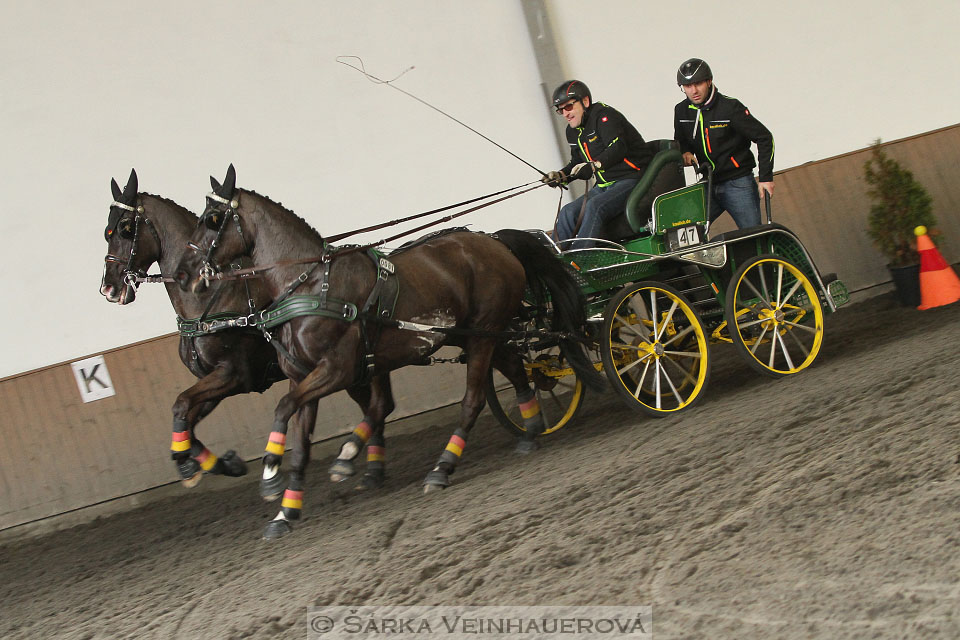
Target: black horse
[143,229]
[458,288]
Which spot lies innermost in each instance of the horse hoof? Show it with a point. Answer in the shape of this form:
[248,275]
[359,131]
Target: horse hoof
[272,488]
[276,529]
[190,483]
[233,465]
[433,488]
[525,447]
[342,468]
[370,482]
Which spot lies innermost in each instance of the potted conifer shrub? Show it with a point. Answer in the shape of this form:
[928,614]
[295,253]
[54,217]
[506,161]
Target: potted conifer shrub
[900,204]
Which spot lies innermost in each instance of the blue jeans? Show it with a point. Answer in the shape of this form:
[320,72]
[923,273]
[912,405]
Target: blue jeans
[740,198]
[603,205]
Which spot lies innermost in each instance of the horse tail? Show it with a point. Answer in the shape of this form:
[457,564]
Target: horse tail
[545,270]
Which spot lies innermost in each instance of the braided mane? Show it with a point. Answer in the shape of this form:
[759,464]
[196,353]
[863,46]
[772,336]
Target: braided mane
[173,205]
[303,226]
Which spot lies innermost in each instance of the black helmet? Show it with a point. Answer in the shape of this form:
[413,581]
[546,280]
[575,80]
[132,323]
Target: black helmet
[692,71]
[570,90]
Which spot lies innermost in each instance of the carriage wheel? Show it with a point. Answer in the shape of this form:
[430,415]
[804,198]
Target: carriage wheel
[774,316]
[654,349]
[559,392]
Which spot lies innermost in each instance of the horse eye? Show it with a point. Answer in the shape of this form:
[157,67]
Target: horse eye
[125,229]
[213,220]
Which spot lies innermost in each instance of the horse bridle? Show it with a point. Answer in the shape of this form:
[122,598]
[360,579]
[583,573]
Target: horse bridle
[130,275]
[209,268]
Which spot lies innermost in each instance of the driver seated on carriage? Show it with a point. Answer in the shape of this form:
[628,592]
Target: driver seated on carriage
[603,144]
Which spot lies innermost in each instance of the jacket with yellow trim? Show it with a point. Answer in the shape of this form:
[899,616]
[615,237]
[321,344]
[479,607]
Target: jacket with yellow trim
[607,136]
[719,132]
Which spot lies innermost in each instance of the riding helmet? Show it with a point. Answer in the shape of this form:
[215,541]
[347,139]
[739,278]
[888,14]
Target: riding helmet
[571,90]
[693,71]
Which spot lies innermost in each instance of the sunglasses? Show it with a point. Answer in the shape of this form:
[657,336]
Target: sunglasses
[566,107]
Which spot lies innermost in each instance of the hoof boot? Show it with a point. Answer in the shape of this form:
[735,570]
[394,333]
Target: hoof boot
[436,480]
[190,472]
[525,447]
[276,529]
[232,465]
[370,481]
[342,468]
[273,488]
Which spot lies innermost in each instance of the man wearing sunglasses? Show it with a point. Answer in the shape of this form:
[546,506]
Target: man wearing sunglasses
[604,145]
[718,130]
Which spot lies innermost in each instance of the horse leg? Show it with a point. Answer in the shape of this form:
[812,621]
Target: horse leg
[376,400]
[479,354]
[193,404]
[510,364]
[272,482]
[342,468]
[292,504]
[381,406]
[326,378]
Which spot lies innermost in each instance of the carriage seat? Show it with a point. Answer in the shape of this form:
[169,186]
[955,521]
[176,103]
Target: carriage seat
[664,173]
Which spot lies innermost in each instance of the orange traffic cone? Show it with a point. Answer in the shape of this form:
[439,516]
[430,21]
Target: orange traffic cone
[939,284]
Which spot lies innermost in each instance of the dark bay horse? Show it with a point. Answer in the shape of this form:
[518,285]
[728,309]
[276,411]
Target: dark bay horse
[143,229]
[469,284]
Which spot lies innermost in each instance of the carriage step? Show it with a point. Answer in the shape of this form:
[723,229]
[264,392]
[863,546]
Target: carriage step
[828,278]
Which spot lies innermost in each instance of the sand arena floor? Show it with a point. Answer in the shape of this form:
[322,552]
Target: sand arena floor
[826,505]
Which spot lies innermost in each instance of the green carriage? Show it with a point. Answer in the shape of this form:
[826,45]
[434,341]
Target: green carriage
[659,294]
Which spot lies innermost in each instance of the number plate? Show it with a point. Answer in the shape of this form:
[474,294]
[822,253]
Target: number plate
[684,237]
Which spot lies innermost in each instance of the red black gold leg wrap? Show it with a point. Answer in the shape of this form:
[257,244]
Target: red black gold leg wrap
[207,460]
[292,503]
[363,431]
[451,455]
[180,443]
[530,411]
[277,443]
[376,455]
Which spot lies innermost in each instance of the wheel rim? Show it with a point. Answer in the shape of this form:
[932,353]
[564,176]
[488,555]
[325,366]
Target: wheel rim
[657,350]
[779,321]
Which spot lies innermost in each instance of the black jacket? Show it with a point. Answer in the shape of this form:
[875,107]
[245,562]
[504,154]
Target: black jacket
[720,132]
[605,135]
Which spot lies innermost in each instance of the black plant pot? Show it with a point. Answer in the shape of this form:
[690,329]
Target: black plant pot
[907,282]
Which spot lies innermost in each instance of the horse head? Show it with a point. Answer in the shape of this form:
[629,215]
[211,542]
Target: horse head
[131,249]
[221,235]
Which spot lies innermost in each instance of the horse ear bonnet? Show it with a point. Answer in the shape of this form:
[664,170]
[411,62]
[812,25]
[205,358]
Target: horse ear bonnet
[128,196]
[229,183]
[130,191]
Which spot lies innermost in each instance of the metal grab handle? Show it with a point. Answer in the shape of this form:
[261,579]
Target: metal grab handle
[767,197]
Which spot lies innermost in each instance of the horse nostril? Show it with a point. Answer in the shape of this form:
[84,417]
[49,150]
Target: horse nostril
[181,278]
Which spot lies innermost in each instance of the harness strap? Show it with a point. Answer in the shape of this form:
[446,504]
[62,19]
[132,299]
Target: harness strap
[306,305]
[299,366]
[378,296]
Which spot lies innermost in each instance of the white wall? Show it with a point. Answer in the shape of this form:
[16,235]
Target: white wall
[180,89]
[826,77]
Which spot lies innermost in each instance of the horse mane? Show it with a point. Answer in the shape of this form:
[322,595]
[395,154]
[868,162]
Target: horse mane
[304,226]
[173,205]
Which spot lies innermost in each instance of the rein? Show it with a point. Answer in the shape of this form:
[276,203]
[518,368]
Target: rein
[250,272]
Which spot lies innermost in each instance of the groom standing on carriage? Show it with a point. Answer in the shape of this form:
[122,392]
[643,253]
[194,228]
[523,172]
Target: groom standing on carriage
[603,144]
